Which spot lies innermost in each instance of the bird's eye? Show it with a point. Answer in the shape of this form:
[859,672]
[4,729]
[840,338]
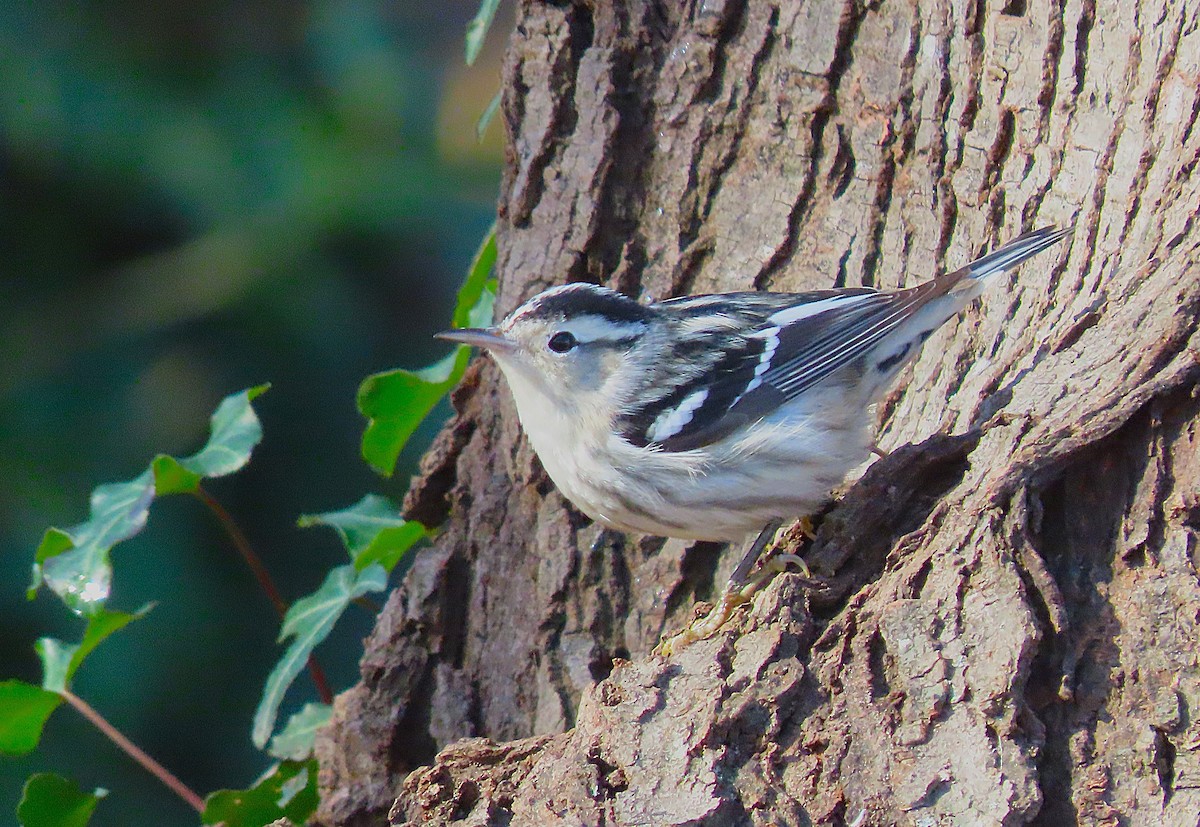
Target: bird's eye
[561,342]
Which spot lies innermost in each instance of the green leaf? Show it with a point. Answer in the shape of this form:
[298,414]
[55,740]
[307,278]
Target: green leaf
[295,742]
[309,622]
[476,284]
[75,562]
[372,531]
[60,660]
[54,542]
[24,710]
[50,800]
[235,433]
[477,29]
[56,662]
[100,626]
[489,113]
[287,791]
[170,477]
[480,314]
[395,402]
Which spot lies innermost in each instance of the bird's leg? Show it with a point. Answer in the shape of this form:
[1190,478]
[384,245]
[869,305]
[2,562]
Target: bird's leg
[740,588]
[741,575]
[777,562]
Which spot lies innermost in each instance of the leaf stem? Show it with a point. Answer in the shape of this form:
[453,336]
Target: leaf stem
[242,544]
[319,680]
[133,751]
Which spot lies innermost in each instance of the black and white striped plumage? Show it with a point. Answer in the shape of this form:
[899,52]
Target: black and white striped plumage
[706,417]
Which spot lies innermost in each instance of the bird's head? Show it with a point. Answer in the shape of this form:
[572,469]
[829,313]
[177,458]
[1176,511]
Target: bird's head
[569,343]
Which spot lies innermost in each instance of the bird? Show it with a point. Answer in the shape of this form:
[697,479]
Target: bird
[709,417]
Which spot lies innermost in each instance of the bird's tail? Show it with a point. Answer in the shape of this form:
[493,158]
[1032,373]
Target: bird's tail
[1016,251]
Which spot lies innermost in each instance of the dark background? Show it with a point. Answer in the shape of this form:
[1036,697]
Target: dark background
[196,198]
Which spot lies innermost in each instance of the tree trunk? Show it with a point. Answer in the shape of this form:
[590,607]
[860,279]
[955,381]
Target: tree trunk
[1002,624]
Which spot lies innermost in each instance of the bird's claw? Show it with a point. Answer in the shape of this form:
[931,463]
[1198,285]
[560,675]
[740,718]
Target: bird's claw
[708,625]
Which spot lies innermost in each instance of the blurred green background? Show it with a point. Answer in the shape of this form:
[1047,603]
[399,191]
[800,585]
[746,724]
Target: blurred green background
[195,198]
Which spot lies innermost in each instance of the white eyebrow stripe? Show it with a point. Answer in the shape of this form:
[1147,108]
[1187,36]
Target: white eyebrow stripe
[672,420]
[599,329]
[790,315]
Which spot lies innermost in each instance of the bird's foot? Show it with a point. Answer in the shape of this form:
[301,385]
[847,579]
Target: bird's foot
[707,625]
[741,588]
[776,563]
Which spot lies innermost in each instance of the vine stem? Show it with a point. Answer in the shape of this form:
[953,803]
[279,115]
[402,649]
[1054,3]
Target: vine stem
[242,544]
[133,750]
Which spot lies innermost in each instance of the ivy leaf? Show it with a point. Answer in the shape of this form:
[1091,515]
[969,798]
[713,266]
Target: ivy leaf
[50,800]
[289,791]
[171,477]
[295,742]
[309,622]
[477,29]
[75,562]
[476,284]
[60,660]
[235,431]
[395,402]
[372,531]
[480,314]
[56,662]
[24,710]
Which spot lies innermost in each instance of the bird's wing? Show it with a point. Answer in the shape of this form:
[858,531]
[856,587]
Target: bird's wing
[767,348]
[784,344]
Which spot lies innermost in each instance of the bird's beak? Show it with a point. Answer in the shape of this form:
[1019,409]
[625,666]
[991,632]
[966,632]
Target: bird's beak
[487,338]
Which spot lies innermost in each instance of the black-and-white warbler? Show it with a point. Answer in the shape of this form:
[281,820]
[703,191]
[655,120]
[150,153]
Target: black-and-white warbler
[709,417]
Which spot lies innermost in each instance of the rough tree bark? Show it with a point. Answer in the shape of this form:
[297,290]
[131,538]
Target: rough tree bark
[1003,626]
